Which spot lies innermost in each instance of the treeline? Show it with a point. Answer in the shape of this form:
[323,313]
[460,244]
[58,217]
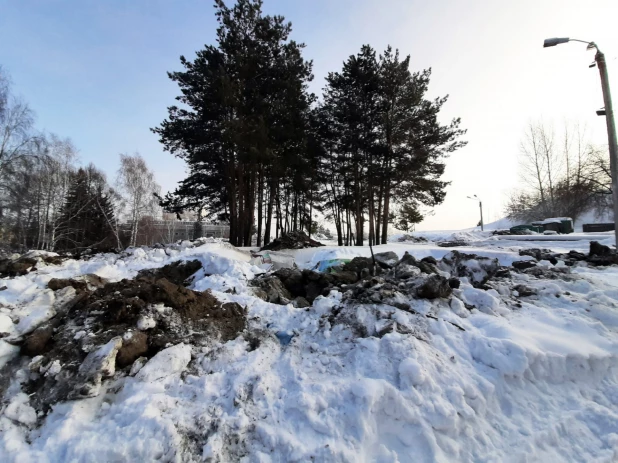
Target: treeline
[563,173]
[264,154]
[49,202]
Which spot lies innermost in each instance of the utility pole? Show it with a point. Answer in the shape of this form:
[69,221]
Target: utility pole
[476,198]
[599,58]
[481,208]
[611,134]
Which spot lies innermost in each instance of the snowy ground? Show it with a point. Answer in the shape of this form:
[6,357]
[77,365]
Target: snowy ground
[530,379]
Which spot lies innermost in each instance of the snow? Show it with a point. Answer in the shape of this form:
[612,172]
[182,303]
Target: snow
[145,323]
[552,220]
[168,362]
[7,352]
[19,410]
[537,381]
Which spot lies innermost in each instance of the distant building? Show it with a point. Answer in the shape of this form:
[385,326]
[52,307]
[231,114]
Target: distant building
[174,230]
[151,231]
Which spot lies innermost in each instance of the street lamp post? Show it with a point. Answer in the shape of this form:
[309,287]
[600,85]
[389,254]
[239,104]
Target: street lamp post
[599,58]
[476,198]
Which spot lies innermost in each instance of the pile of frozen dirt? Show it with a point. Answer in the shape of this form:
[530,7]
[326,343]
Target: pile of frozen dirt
[190,353]
[97,330]
[292,240]
[22,264]
[406,238]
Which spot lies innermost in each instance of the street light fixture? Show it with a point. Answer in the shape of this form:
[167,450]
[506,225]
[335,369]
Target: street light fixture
[608,112]
[476,198]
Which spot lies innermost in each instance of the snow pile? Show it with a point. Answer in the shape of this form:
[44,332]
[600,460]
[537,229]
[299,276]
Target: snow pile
[521,367]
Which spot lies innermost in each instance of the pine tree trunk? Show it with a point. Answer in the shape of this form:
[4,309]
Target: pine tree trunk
[310,212]
[231,182]
[370,211]
[241,205]
[260,203]
[250,210]
[279,219]
[386,212]
[271,200]
[359,209]
[378,216]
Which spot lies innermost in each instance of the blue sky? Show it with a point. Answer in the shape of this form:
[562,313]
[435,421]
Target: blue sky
[95,71]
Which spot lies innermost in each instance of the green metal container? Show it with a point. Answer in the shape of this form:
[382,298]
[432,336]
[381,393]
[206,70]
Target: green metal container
[566,226]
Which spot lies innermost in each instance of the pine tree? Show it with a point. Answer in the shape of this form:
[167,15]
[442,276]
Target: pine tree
[243,134]
[87,215]
[383,143]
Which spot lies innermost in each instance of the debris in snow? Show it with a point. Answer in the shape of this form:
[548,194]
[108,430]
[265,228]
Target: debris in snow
[386,259]
[292,240]
[599,255]
[524,291]
[477,269]
[284,337]
[411,239]
[90,331]
[52,304]
[97,365]
[523,264]
[81,283]
[501,232]
[21,265]
[453,244]
[178,272]
[602,255]
[375,369]
[540,254]
[138,364]
[286,285]
[36,343]
[54,368]
[433,287]
[134,345]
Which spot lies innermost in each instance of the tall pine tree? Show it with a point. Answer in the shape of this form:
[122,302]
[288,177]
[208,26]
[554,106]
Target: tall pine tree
[87,216]
[383,143]
[242,125]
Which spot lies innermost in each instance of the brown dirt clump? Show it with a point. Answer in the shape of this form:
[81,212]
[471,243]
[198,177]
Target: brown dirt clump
[26,263]
[133,346]
[80,284]
[177,272]
[292,240]
[37,341]
[147,314]
[12,268]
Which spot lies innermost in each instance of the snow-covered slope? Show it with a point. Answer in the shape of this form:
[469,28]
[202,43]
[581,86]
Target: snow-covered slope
[516,379]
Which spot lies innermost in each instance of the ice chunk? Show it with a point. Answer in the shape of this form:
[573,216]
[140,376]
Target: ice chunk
[168,362]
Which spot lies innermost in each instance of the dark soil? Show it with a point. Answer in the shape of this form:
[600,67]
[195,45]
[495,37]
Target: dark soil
[177,272]
[97,315]
[26,264]
[453,244]
[292,240]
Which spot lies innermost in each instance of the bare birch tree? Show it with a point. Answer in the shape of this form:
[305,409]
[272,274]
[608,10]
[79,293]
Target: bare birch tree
[16,138]
[137,185]
[561,178]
